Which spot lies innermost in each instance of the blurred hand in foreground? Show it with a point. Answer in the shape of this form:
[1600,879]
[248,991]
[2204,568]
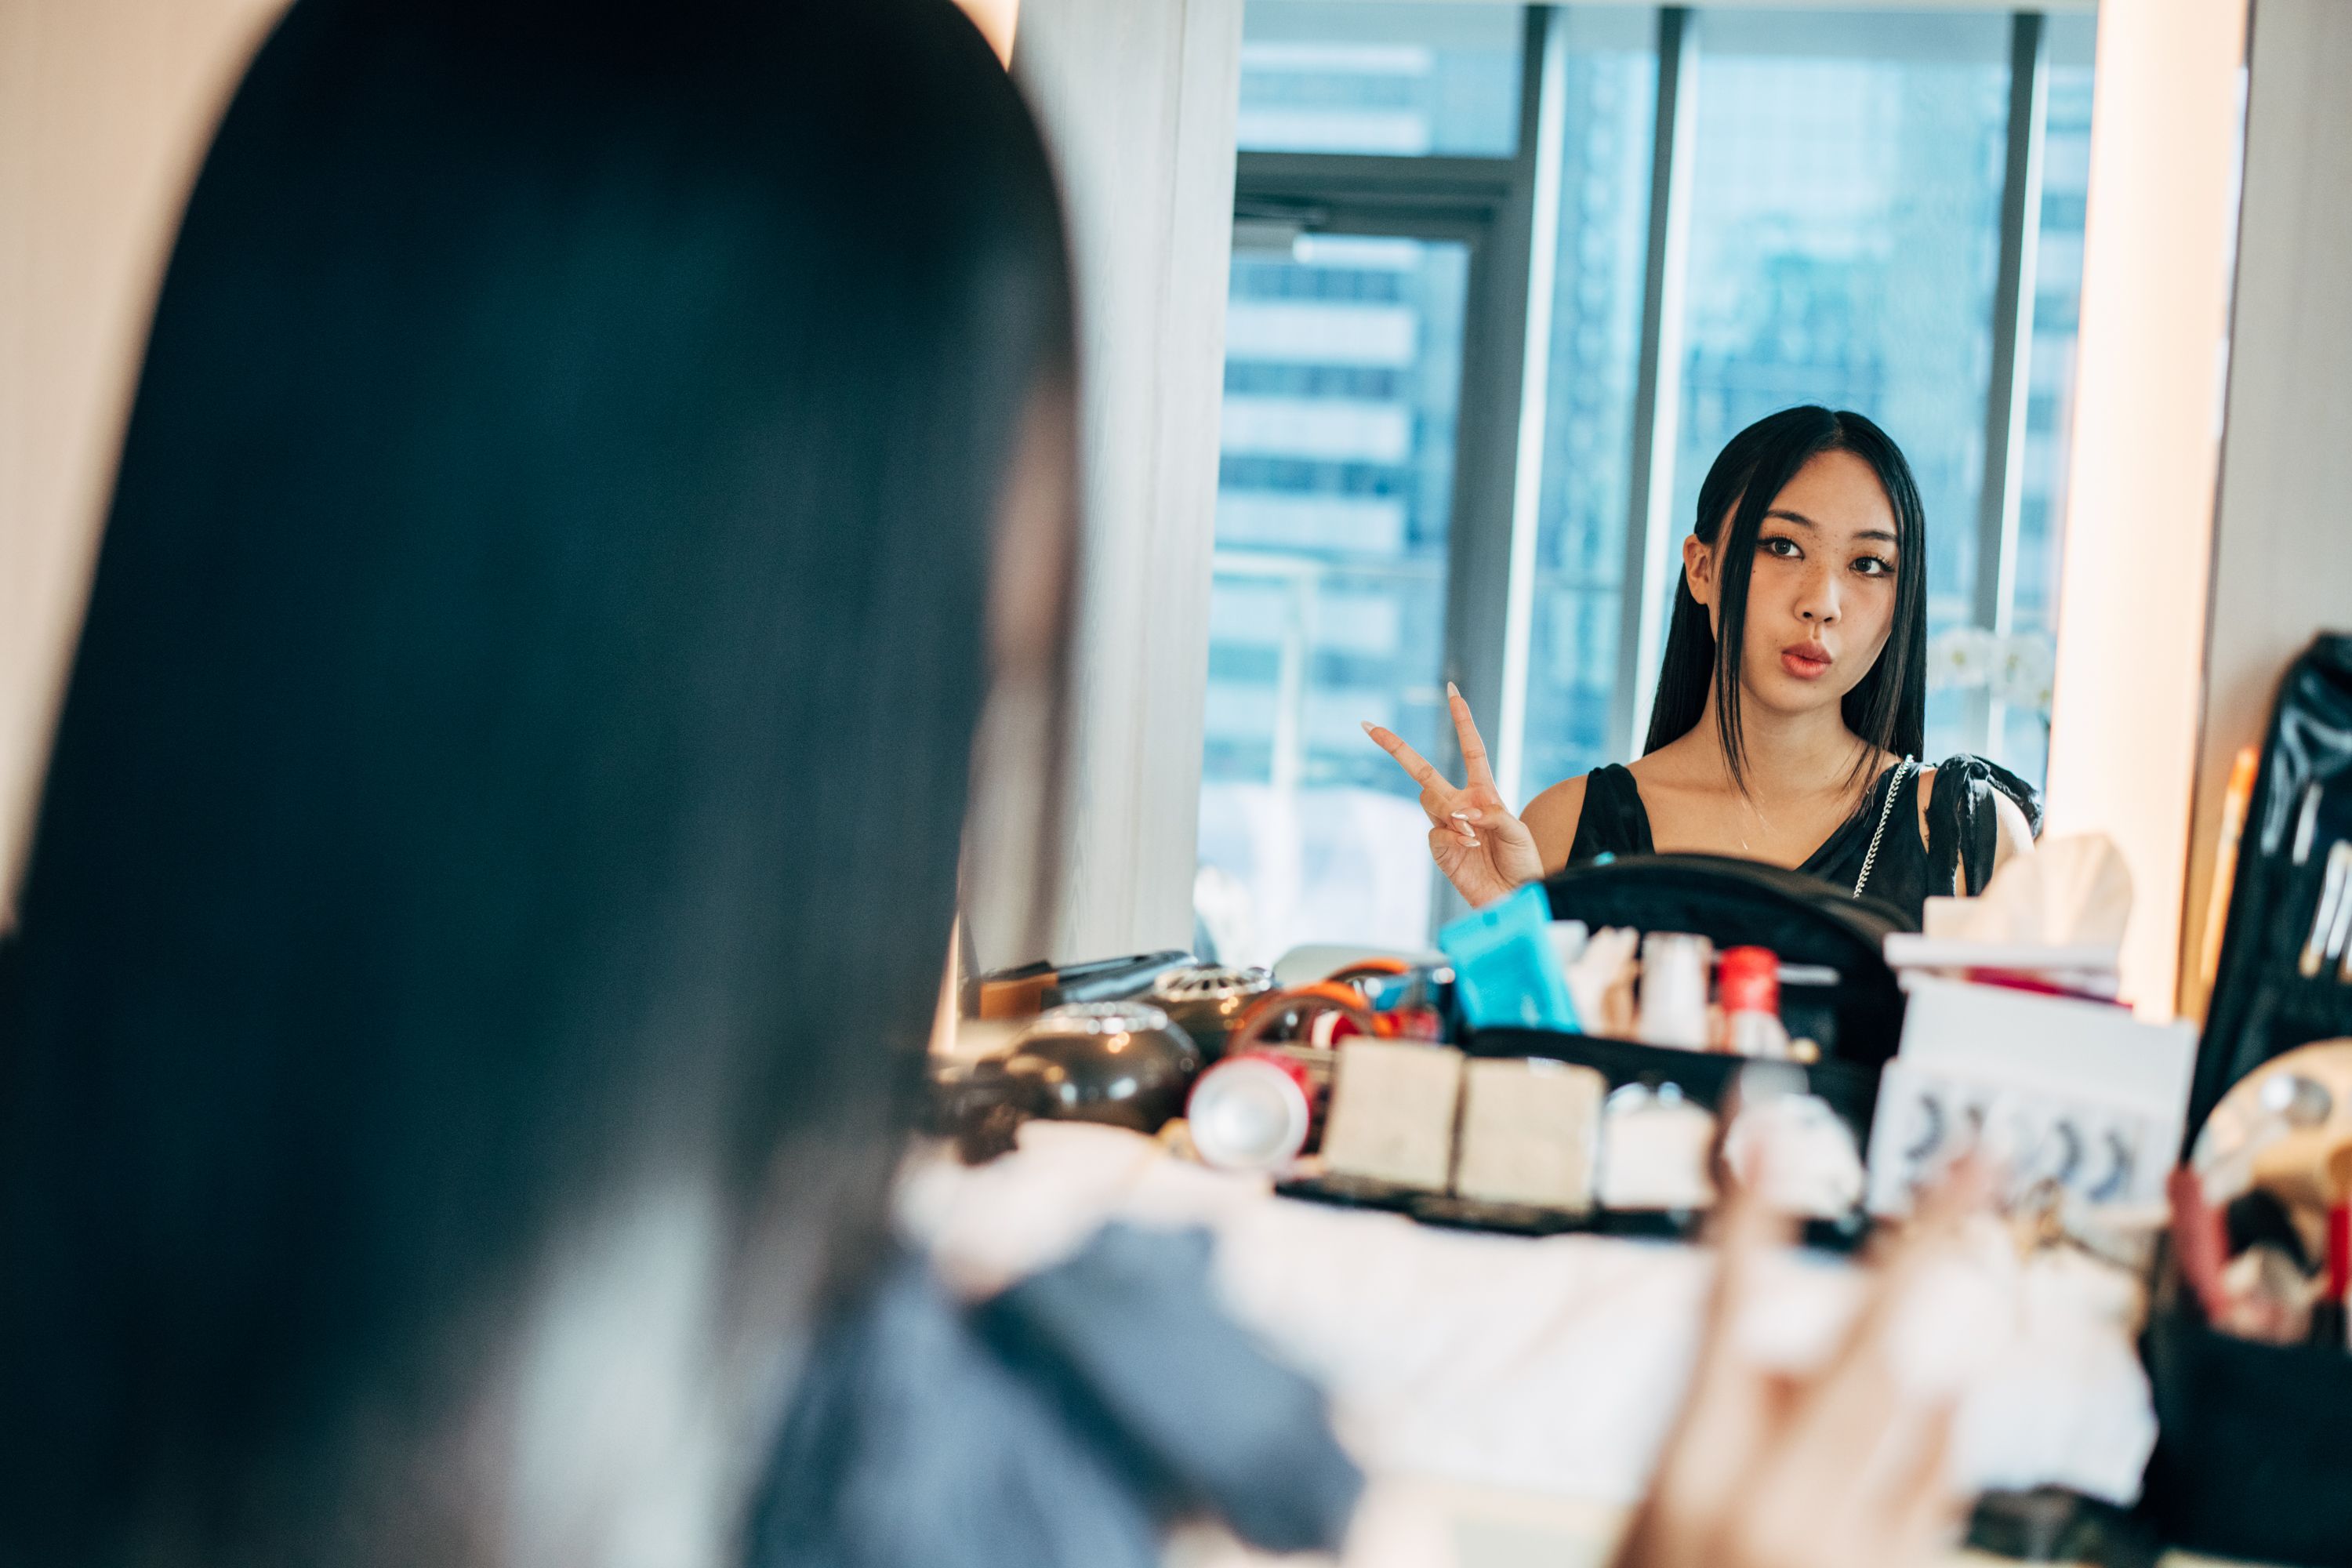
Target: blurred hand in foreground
[1841,1468]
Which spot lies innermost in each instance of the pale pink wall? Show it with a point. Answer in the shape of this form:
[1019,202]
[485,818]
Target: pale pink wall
[996,19]
[105,106]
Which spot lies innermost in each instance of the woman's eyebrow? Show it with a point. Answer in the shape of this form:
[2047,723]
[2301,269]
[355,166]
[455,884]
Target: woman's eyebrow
[1787,516]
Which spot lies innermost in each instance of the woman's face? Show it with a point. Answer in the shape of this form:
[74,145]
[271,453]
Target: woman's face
[1821,594]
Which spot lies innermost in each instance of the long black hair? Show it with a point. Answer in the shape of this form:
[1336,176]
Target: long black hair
[519,736]
[1888,707]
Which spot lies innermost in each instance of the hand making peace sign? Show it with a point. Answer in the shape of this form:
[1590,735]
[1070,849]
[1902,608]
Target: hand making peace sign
[1484,850]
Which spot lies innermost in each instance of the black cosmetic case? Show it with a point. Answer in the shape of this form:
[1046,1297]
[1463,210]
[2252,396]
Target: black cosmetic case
[1856,1017]
[2253,1454]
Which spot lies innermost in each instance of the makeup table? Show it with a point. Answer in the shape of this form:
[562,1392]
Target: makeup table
[1509,1395]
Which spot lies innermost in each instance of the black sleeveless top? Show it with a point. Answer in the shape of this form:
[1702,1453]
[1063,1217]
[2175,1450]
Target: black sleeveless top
[1956,856]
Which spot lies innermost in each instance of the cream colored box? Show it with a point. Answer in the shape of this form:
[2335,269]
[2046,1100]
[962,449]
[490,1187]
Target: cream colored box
[1530,1133]
[1392,1115]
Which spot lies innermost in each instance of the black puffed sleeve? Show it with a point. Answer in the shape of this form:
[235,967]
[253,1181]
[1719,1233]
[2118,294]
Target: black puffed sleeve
[1963,829]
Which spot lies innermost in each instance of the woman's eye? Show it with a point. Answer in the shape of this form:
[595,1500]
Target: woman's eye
[1780,545]
[1875,566]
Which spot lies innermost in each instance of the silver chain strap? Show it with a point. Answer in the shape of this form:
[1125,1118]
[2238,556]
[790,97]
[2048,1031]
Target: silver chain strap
[1894,788]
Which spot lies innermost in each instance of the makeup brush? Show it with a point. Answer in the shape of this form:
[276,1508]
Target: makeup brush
[2339,1220]
[2328,1314]
[2199,1243]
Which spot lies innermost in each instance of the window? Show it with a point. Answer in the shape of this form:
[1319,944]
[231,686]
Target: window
[1444,211]
[1320,75]
[2022,737]
[1577,609]
[1343,370]
[1845,216]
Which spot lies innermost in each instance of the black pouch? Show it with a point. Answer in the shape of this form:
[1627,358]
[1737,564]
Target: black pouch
[1856,1018]
[2254,1456]
[2302,805]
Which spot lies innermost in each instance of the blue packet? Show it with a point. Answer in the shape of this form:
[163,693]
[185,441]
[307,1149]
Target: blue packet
[1505,971]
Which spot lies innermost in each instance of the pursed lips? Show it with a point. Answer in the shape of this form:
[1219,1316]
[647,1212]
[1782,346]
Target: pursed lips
[1807,660]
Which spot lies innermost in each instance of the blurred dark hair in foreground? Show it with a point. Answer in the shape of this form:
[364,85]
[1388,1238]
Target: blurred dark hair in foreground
[504,817]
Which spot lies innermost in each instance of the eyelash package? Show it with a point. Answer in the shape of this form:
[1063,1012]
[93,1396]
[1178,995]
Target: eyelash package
[2075,1098]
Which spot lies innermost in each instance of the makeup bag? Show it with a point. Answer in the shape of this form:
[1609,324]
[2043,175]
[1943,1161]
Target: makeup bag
[2254,1456]
[2261,1005]
[1855,1012]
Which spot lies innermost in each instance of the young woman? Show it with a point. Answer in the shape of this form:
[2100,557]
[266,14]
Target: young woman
[1791,706]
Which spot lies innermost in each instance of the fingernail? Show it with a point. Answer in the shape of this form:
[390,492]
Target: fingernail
[1467,816]
[1471,840]
[1367,723]
[1450,690]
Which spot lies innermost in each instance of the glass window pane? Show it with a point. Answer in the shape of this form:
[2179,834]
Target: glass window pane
[1604,215]
[2022,741]
[1845,213]
[1339,75]
[1343,374]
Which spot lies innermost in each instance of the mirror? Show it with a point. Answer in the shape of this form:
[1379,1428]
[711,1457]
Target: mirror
[1740,211]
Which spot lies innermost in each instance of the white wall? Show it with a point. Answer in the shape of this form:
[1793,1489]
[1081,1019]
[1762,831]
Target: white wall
[2145,451]
[1138,99]
[2282,550]
[105,106]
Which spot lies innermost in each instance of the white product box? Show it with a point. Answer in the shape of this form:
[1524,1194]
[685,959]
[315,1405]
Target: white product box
[2079,1093]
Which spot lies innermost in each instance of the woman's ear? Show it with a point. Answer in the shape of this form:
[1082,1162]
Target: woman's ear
[1698,568]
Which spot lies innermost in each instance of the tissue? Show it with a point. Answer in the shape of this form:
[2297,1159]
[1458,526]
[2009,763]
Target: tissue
[2071,892]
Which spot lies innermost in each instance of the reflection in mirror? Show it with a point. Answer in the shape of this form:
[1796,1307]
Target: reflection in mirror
[1874,211]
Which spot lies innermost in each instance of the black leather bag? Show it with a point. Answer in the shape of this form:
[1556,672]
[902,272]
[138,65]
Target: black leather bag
[2254,1453]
